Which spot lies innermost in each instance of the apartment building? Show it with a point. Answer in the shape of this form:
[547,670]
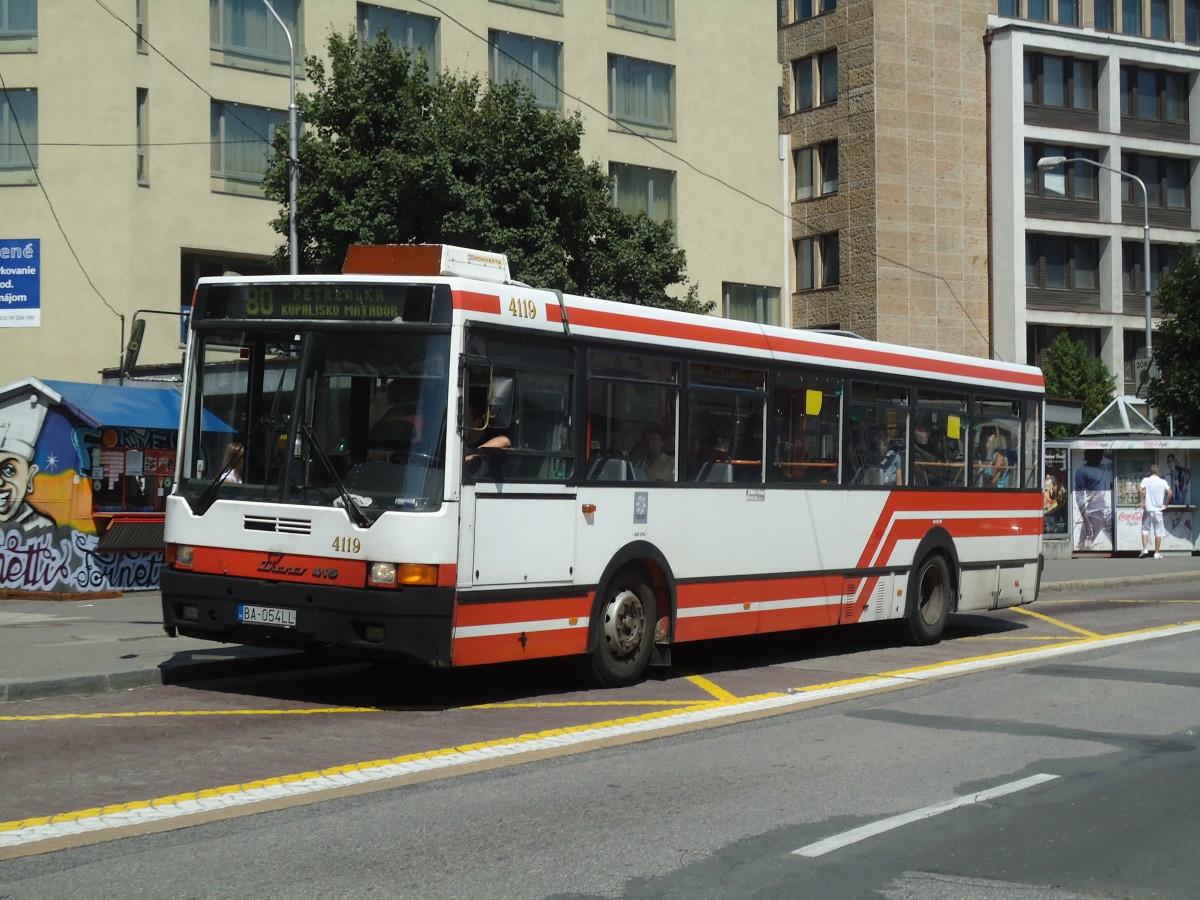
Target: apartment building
[1113,83]
[919,212]
[885,118]
[131,148]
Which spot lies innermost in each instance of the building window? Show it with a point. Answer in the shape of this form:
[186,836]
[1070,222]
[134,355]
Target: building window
[1163,260]
[1064,12]
[406,29]
[1060,82]
[1071,181]
[1038,339]
[18,26]
[546,6]
[751,303]
[529,61]
[1166,178]
[245,34]
[241,145]
[655,17]
[1104,16]
[815,80]
[1191,21]
[1153,94]
[1059,262]
[641,95]
[1131,16]
[143,139]
[640,189]
[1160,19]
[18,136]
[806,9]
[817,170]
[817,262]
[140,24]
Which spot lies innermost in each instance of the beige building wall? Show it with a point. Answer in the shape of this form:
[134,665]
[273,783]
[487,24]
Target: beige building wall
[911,207]
[111,246]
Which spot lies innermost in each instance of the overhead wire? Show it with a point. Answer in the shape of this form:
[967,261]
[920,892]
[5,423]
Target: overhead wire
[37,177]
[690,165]
[603,114]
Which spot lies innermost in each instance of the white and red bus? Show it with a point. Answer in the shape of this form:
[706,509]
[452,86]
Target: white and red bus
[435,463]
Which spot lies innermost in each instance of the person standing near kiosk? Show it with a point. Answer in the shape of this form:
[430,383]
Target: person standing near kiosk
[1155,494]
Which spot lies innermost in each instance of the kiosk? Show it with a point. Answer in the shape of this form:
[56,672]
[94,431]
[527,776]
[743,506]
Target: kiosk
[1090,493]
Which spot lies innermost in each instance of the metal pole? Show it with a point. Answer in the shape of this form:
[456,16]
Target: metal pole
[293,161]
[1053,162]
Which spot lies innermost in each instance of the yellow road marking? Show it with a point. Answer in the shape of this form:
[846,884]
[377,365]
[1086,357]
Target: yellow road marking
[716,690]
[1057,622]
[1033,639]
[151,714]
[537,736]
[1006,654]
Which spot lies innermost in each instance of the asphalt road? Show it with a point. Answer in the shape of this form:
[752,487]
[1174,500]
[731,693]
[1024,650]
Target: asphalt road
[1094,756]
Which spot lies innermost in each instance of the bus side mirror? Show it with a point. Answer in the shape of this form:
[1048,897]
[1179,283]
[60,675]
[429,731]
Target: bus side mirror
[500,401]
[134,347]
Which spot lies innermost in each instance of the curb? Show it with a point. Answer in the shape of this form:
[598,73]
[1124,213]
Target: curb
[163,674]
[1083,584]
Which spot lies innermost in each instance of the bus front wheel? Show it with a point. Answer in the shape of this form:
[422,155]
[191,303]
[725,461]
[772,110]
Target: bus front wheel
[626,613]
[929,593]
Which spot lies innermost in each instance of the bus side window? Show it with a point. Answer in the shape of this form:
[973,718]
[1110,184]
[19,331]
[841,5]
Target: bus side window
[807,411]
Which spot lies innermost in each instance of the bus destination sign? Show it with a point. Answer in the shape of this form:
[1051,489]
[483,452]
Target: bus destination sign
[319,300]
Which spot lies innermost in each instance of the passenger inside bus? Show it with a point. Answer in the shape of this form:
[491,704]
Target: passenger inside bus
[654,464]
[479,432]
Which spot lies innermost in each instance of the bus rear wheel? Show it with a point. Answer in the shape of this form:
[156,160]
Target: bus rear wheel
[626,613]
[929,593]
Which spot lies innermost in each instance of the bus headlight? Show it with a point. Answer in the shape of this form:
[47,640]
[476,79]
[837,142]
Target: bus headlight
[180,555]
[381,574]
[386,574]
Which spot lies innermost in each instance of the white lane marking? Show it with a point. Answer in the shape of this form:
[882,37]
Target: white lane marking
[854,835]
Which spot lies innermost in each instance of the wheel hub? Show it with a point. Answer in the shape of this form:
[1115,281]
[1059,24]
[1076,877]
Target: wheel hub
[624,623]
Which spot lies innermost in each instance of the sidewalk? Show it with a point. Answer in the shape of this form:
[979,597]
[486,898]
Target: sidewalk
[50,648]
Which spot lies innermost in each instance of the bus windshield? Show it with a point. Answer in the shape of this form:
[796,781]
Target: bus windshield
[319,417]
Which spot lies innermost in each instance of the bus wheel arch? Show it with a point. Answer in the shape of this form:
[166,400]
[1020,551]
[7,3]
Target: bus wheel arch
[632,612]
[932,594]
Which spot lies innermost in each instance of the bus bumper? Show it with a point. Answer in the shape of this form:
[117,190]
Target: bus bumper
[404,624]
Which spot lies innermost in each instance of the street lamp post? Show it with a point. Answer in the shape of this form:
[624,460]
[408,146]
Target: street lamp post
[1053,162]
[293,161]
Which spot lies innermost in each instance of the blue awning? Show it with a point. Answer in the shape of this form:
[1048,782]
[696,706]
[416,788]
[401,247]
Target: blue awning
[121,406]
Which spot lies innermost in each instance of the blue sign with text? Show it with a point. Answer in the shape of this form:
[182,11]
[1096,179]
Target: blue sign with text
[20,283]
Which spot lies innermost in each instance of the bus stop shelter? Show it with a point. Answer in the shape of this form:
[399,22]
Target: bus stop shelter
[1090,500]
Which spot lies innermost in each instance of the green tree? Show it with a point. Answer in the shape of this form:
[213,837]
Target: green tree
[1175,391]
[1072,373]
[391,154]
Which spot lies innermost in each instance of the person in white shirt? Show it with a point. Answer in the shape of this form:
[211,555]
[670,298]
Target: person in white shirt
[1155,494]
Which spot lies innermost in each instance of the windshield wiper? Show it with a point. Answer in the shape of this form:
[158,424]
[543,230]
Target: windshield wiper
[353,510]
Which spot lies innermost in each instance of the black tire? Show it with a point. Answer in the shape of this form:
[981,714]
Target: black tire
[930,593]
[623,631]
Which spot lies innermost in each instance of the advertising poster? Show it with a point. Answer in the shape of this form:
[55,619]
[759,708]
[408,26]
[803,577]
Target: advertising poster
[1091,492]
[1054,493]
[20,283]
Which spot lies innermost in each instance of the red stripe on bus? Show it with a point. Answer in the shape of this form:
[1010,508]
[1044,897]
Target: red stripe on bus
[471,614]
[725,337]
[696,595]
[279,566]
[473,301]
[475,651]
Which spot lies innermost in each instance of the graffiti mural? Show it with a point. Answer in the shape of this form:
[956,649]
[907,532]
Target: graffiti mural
[48,533]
